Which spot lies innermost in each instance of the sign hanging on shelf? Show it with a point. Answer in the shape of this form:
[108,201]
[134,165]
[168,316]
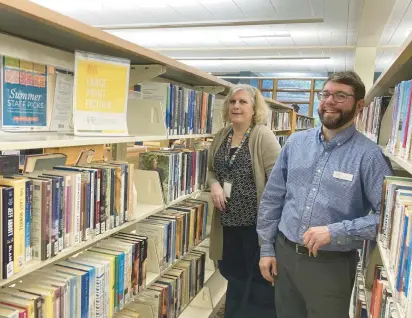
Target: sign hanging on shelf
[24,95]
[100,95]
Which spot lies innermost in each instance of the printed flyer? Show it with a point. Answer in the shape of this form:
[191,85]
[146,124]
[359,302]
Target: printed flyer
[100,95]
[24,95]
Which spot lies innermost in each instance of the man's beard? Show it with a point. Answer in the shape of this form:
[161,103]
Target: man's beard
[342,119]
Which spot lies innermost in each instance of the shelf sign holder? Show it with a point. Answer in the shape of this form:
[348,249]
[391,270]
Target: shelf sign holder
[143,73]
[214,90]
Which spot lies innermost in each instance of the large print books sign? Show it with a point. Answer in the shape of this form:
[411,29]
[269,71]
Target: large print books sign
[24,95]
[100,95]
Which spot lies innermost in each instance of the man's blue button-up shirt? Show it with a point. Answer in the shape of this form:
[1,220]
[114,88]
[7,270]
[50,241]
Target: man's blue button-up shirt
[319,183]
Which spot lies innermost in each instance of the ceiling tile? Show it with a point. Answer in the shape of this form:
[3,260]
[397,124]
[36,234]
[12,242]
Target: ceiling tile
[193,10]
[292,8]
[257,8]
[223,9]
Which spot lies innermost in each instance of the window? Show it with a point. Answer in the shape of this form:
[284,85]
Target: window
[267,94]
[254,83]
[319,84]
[293,84]
[293,96]
[267,84]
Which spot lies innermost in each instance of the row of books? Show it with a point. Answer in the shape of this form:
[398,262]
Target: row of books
[47,211]
[395,237]
[280,120]
[169,295]
[401,129]
[359,300]
[282,140]
[181,171]
[186,111]
[176,230]
[95,283]
[369,119]
[304,123]
[382,303]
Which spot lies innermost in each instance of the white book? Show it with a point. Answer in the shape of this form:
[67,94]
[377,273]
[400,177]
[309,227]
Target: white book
[127,249]
[100,283]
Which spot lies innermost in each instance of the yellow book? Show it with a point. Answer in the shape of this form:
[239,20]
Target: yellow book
[19,303]
[19,219]
[47,294]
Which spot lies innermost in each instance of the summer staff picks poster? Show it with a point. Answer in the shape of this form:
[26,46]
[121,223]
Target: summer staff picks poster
[24,95]
[100,95]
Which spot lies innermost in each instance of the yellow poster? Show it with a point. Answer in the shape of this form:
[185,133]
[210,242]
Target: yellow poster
[100,95]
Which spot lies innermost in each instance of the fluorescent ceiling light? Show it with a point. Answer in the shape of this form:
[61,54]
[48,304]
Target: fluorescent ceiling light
[251,58]
[264,36]
[206,24]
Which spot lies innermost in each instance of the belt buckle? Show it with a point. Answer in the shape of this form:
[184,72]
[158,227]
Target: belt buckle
[297,251]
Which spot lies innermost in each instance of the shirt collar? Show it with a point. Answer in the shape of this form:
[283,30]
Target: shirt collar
[340,138]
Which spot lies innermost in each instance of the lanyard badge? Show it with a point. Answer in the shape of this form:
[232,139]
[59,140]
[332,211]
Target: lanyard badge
[229,160]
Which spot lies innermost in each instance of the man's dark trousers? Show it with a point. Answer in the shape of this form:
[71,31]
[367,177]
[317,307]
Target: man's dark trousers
[309,287]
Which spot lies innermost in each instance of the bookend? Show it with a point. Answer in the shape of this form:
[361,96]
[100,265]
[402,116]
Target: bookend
[145,118]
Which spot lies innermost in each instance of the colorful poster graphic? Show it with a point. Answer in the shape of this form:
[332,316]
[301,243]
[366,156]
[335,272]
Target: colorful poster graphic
[24,95]
[100,95]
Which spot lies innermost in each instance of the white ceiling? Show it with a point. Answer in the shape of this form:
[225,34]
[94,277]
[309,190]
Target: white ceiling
[384,24]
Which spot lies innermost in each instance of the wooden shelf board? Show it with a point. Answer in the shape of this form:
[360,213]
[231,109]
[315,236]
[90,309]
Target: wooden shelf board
[301,115]
[391,278]
[400,70]
[190,136]
[281,130]
[35,23]
[299,129]
[407,165]
[144,212]
[182,198]
[33,140]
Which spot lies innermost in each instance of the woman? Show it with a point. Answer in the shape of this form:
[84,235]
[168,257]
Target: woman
[241,158]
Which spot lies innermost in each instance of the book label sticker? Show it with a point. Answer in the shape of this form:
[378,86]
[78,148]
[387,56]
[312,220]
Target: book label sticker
[343,176]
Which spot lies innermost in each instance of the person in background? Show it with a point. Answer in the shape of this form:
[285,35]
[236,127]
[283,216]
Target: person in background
[240,160]
[314,212]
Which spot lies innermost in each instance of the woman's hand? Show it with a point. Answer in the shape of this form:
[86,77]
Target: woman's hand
[218,196]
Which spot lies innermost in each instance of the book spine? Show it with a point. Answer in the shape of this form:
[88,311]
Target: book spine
[19,226]
[84,302]
[55,218]
[77,191]
[103,200]
[68,208]
[8,232]
[97,201]
[29,198]
[60,206]
[47,218]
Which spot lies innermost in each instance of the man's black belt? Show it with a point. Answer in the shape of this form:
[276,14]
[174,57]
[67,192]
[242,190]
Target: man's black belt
[303,250]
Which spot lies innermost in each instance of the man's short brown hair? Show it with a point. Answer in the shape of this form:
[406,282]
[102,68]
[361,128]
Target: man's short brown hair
[351,79]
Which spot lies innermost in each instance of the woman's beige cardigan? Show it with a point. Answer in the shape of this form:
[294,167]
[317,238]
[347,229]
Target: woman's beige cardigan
[264,150]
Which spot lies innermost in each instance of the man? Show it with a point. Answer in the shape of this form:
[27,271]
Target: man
[314,212]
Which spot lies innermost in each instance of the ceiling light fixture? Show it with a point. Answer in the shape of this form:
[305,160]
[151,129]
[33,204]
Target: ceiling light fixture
[251,58]
[264,36]
[206,24]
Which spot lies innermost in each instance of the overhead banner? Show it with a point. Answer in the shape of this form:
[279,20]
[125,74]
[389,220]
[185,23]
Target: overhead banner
[24,95]
[100,95]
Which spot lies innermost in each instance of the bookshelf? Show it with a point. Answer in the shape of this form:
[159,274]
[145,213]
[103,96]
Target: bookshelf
[382,131]
[391,278]
[145,211]
[34,33]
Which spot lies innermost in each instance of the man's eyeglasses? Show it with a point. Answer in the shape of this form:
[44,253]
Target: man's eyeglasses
[338,97]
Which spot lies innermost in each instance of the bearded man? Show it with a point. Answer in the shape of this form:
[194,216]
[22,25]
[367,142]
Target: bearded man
[315,210]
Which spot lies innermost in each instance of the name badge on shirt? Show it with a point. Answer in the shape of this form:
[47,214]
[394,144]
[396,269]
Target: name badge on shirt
[342,175]
[227,189]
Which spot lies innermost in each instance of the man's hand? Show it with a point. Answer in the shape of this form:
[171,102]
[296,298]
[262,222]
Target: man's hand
[316,237]
[268,268]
